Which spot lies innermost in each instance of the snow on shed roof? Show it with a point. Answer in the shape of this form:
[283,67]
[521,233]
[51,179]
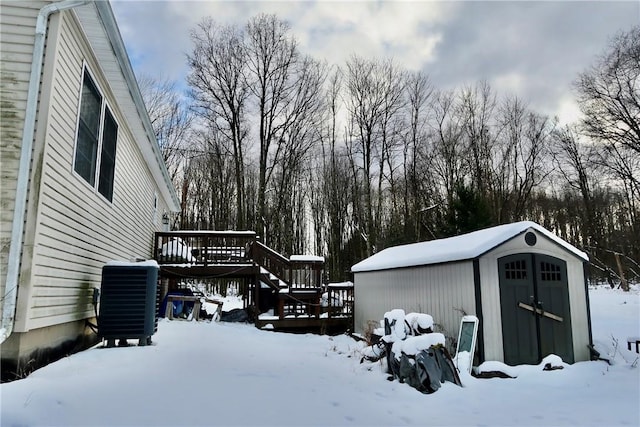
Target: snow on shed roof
[458,248]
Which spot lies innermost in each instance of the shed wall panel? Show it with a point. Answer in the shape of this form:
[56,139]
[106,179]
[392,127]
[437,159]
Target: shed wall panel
[444,291]
[578,296]
[491,324]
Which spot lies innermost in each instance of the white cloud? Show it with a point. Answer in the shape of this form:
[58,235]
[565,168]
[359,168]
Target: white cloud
[530,49]
[509,84]
[568,111]
[329,30]
[402,30]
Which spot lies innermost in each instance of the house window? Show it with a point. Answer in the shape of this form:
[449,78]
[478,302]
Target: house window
[95,158]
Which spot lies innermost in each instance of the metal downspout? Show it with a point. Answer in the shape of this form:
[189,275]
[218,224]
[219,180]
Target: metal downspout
[19,212]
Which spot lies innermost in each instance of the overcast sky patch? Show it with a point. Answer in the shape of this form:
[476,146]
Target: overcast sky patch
[533,50]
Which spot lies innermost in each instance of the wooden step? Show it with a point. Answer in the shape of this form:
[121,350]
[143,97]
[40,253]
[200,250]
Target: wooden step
[271,280]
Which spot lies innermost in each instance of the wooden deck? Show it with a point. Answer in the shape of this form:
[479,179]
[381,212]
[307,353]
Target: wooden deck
[286,293]
[326,309]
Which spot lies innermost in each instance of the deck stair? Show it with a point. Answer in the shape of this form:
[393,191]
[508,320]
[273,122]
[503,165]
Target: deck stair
[271,280]
[287,292]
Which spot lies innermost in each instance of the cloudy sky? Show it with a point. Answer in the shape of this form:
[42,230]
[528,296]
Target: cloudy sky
[533,50]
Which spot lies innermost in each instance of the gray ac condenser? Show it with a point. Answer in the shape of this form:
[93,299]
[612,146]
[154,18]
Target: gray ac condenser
[128,302]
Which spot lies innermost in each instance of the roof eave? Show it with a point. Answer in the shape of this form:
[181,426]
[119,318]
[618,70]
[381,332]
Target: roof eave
[149,147]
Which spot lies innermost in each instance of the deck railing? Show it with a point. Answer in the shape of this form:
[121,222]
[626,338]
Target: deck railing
[307,273]
[203,248]
[208,248]
[295,274]
[299,291]
[339,301]
[271,261]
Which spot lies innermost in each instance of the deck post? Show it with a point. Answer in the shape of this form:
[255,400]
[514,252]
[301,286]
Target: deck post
[256,289]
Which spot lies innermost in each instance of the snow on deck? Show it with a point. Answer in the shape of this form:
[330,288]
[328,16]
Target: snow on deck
[306,258]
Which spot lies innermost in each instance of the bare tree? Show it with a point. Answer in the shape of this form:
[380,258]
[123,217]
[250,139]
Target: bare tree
[170,118]
[573,161]
[609,97]
[271,57]
[337,188]
[477,105]
[220,93]
[388,150]
[290,160]
[375,156]
[374,92]
[609,93]
[447,150]
[519,160]
[419,91]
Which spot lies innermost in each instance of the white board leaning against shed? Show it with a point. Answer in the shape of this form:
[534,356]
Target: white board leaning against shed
[466,344]
[526,286]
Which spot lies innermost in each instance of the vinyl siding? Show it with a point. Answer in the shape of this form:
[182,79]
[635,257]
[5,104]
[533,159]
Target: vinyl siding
[17,34]
[443,291]
[73,229]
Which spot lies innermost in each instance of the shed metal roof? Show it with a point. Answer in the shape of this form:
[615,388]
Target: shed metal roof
[458,248]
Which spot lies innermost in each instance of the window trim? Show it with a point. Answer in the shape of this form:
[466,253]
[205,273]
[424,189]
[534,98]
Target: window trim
[105,106]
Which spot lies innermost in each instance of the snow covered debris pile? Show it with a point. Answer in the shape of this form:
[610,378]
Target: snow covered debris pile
[411,346]
[419,323]
[394,326]
[492,369]
[415,355]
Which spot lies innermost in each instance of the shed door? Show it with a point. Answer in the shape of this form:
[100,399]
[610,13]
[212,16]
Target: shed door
[534,302]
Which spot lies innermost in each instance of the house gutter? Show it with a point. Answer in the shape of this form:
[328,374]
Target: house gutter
[22,183]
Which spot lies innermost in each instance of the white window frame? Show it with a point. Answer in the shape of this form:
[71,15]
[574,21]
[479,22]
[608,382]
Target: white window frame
[104,108]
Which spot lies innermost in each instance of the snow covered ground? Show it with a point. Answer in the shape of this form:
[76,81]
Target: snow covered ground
[201,374]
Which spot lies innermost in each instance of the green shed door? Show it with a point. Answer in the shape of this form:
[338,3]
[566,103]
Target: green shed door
[554,314]
[519,332]
[534,303]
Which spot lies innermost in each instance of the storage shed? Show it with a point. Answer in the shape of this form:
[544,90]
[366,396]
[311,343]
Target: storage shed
[527,286]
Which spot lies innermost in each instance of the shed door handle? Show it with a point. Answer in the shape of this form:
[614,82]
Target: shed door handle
[540,312]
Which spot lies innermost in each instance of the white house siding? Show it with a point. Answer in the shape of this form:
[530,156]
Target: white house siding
[490,292]
[417,289]
[72,229]
[17,23]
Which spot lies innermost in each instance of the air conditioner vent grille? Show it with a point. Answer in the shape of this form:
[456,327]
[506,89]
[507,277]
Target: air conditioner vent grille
[128,303]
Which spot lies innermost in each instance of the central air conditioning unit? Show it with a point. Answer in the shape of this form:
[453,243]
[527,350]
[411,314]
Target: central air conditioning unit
[128,302]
